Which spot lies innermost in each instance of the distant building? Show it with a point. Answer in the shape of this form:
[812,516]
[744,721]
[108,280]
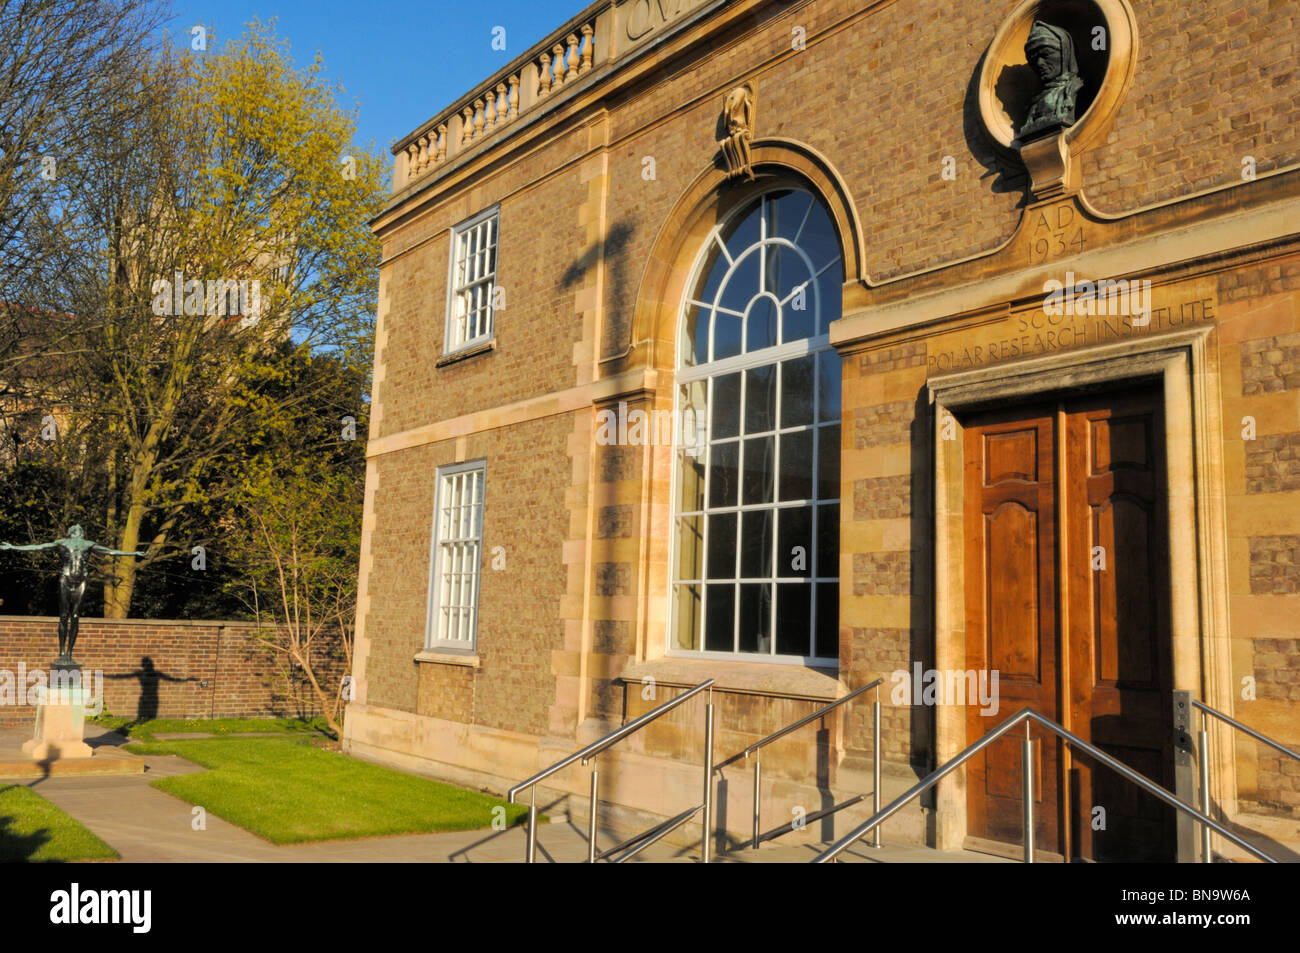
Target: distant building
[974,330]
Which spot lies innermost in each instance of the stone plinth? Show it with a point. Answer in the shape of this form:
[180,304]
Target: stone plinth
[60,726]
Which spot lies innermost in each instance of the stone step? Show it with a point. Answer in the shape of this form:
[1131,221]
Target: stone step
[106,758]
[15,766]
[859,853]
[567,843]
[1279,837]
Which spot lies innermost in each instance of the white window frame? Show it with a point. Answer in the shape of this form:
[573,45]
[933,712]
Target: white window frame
[706,371]
[434,637]
[453,340]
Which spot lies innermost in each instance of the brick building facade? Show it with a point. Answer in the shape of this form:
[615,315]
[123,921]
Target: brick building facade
[528,583]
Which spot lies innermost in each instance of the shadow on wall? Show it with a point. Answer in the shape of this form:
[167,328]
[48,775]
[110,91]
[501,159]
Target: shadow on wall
[148,676]
[1007,172]
[921,647]
[290,690]
[619,289]
[611,245]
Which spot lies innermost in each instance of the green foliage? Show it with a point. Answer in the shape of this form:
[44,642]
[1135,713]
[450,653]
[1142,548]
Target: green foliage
[296,526]
[33,829]
[221,165]
[289,792]
[32,494]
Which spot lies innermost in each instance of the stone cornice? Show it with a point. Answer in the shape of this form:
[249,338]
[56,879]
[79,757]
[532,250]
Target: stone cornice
[746,678]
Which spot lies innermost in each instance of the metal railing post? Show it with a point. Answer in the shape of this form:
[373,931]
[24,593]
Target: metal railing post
[705,837]
[532,826]
[821,713]
[875,765]
[1185,772]
[1203,753]
[591,819]
[1027,789]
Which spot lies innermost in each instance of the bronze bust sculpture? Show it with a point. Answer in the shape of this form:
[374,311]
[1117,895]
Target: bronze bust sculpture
[1050,52]
[72,583]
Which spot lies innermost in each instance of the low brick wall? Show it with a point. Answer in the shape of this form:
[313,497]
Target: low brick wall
[165,669]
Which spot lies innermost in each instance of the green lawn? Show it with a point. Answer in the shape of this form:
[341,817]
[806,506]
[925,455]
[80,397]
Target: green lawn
[31,828]
[289,791]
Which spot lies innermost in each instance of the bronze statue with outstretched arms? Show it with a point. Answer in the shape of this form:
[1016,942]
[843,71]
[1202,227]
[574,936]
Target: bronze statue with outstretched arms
[72,582]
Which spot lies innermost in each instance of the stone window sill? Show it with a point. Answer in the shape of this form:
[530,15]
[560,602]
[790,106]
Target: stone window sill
[448,658]
[485,348]
[747,678]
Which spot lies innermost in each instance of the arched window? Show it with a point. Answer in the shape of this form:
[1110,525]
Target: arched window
[755,558]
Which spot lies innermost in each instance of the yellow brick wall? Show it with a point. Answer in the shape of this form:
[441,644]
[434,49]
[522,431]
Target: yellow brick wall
[1259,359]
[539,270]
[519,626]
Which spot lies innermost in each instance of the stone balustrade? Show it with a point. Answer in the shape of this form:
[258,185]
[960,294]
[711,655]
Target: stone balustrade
[566,61]
[603,35]
[569,54]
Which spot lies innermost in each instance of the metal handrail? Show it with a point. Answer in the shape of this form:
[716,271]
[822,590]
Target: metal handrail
[596,747]
[605,741]
[639,836]
[657,832]
[1203,749]
[1240,727]
[757,747]
[782,829]
[781,733]
[1028,715]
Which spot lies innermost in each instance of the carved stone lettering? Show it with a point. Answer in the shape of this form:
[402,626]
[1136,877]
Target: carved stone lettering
[645,16]
[1036,332]
[1057,232]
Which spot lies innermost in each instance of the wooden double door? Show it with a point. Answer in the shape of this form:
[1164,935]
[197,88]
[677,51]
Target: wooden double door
[1066,585]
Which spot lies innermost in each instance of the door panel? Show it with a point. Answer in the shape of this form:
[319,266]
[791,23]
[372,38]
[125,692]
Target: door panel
[1011,555]
[1121,672]
[1011,614]
[1066,590]
[1122,532]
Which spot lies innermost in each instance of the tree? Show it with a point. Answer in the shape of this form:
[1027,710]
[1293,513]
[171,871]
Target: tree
[216,167]
[296,533]
[60,62]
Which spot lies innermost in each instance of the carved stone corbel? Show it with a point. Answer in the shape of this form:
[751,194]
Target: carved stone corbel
[1053,170]
[738,129]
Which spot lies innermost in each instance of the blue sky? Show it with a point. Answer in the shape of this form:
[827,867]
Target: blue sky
[398,61]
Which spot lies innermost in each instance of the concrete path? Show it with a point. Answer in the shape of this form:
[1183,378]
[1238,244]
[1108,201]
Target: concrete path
[146,825]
